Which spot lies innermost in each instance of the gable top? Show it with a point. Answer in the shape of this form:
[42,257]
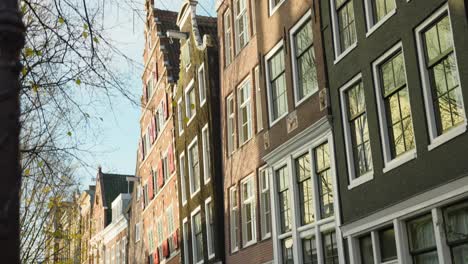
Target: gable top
[166,20]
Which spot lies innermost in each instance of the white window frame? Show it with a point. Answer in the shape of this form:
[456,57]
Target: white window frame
[435,140]
[188,103]
[245,84]
[193,144]
[231,130]
[264,188]
[336,34]
[390,163]
[302,21]
[248,200]
[227,37]
[209,239]
[258,100]
[185,237]
[123,249]
[194,247]
[137,231]
[206,154]
[272,9]
[202,84]
[368,176]
[243,13]
[180,116]
[233,232]
[370,19]
[268,56]
[170,224]
[183,172]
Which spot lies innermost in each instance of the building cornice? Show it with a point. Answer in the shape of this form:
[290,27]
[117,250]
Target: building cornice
[302,138]
[113,229]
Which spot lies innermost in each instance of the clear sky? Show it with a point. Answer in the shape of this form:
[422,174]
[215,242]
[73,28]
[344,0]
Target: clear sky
[116,139]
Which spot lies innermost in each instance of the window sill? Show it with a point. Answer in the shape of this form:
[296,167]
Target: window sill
[272,11]
[380,23]
[278,119]
[235,250]
[361,180]
[206,181]
[211,256]
[250,243]
[398,161]
[344,53]
[267,236]
[191,119]
[444,138]
[194,193]
[298,103]
[202,103]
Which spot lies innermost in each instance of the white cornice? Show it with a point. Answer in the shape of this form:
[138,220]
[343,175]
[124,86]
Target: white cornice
[303,138]
[114,228]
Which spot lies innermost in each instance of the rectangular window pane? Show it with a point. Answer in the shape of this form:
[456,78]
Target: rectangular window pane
[382,8]
[210,227]
[365,246]
[305,61]
[397,106]
[422,240]
[304,182]
[194,167]
[309,250]
[265,203]
[234,219]
[227,38]
[206,155]
[323,172]
[248,211]
[442,68]
[347,29]
[242,27]
[330,250]
[245,120]
[201,84]
[277,81]
[357,118]
[387,244]
[456,228]
[230,123]
[284,199]
[258,100]
[287,250]
[198,237]
[182,178]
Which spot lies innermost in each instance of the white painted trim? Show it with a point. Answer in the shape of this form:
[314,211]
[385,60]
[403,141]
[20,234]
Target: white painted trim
[231,97]
[245,243]
[209,239]
[192,214]
[263,220]
[353,180]
[185,240]
[443,251]
[390,163]
[202,68]
[273,10]
[307,17]
[187,109]
[246,82]
[231,229]
[191,179]
[206,158]
[370,19]
[268,56]
[436,140]
[454,190]
[180,117]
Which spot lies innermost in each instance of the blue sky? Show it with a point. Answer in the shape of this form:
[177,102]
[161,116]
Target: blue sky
[116,136]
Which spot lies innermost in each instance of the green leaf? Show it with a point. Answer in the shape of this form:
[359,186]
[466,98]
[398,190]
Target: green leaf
[23,9]
[38,53]
[96,40]
[186,119]
[85,26]
[35,87]
[174,103]
[78,81]
[27,172]
[61,20]
[69,133]
[40,164]
[24,71]
[85,34]
[192,106]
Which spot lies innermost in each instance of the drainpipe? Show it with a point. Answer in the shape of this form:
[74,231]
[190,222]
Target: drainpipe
[11,42]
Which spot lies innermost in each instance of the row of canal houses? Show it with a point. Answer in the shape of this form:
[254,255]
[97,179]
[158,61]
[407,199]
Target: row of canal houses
[301,131]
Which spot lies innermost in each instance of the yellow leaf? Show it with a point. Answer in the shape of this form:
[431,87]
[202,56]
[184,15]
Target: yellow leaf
[174,103]
[85,26]
[28,52]
[85,34]
[61,20]
[35,87]
[192,106]
[186,119]
[96,40]
[24,71]
[27,172]
[78,81]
